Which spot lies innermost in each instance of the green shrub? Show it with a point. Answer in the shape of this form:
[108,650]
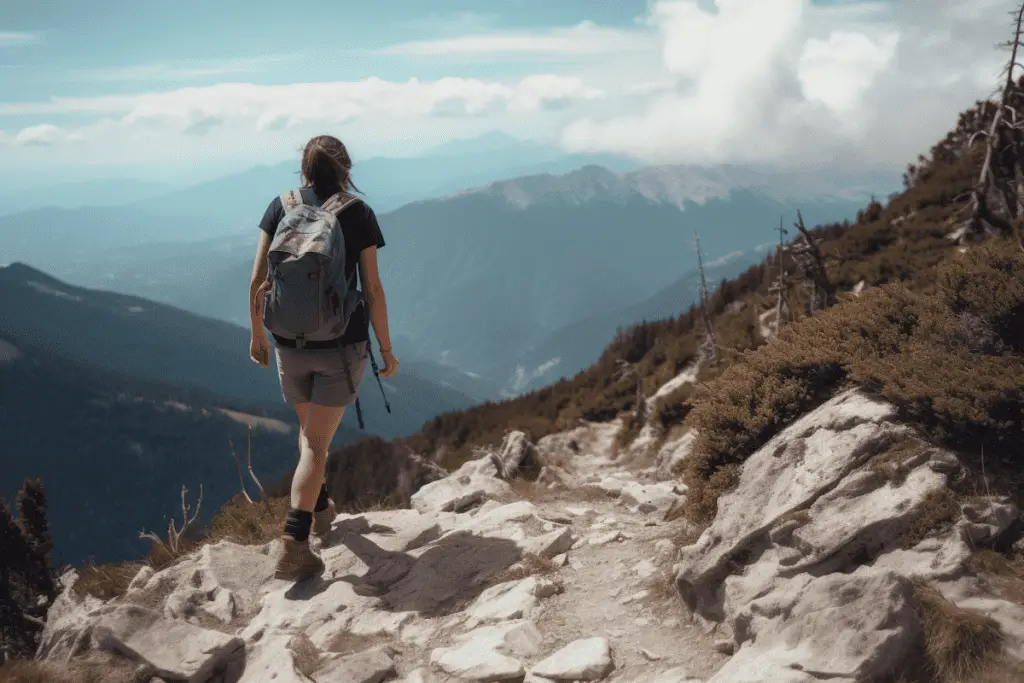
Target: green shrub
[940,359]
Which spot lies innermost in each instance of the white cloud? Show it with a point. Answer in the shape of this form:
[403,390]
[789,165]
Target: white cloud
[790,83]
[44,135]
[251,122]
[783,82]
[583,39]
[18,38]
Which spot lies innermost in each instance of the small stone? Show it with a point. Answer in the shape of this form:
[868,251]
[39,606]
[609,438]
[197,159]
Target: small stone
[556,517]
[605,539]
[664,547]
[589,659]
[578,511]
[645,569]
[642,621]
[635,597]
[725,645]
[560,560]
[548,526]
[652,656]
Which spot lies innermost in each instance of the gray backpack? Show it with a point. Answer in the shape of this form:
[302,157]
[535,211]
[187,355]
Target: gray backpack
[309,299]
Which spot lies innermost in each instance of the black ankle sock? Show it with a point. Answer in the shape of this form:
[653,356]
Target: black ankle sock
[298,524]
[321,502]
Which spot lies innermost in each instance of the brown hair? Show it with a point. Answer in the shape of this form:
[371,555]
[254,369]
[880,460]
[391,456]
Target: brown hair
[327,167]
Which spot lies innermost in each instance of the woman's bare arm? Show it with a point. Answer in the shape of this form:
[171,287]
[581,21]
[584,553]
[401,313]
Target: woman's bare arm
[259,276]
[375,299]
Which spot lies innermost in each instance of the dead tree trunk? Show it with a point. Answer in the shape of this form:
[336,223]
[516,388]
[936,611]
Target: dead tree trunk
[781,285]
[808,256]
[709,347]
[997,198]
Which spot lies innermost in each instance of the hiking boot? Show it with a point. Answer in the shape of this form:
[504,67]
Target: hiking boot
[297,561]
[323,520]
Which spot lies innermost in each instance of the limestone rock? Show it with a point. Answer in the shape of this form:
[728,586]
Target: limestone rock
[372,666]
[588,659]
[174,649]
[787,474]
[489,653]
[848,626]
[649,498]
[673,454]
[455,494]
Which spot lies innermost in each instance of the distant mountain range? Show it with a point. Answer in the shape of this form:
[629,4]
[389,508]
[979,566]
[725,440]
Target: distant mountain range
[481,282]
[155,342]
[114,451]
[388,182]
[576,346]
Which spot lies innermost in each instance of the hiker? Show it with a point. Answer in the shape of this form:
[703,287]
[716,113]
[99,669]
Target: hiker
[313,243]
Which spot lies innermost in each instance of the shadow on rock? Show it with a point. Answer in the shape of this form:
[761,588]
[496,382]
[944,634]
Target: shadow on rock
[450,573]
[307,590]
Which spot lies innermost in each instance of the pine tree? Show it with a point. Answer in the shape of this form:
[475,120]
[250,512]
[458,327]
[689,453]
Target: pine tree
[27,583]
[34,528]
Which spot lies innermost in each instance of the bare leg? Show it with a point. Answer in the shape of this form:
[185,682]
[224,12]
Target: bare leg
[318,425]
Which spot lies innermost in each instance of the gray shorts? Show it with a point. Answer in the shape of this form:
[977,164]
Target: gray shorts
[318,376]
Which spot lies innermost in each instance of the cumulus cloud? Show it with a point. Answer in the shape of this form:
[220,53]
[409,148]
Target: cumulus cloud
[790,83]
[856,84]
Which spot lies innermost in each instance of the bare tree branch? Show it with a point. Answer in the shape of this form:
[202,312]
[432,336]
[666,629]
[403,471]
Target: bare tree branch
[241,477]
[173,542]
[248,460]
[709,348]
[809,257]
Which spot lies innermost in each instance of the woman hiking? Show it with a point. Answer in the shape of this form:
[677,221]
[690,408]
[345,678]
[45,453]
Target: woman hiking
[302,292]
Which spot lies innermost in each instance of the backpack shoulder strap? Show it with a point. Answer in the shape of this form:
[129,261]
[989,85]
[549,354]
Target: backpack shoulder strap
[337,203]
[291,200]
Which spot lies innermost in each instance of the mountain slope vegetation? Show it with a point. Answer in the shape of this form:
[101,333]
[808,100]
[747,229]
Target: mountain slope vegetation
[903,240]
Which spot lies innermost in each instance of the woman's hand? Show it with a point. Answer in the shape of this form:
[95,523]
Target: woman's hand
[390,364]
[259,349]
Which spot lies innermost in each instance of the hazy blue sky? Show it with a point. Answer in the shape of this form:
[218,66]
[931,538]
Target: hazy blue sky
[155,88]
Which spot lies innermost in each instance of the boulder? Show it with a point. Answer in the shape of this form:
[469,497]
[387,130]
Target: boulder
[588,659]
[489,653]
[174,649]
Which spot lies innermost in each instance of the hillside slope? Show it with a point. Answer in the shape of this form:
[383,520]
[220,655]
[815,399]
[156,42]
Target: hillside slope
[114,451]
[903,240]
[154,341]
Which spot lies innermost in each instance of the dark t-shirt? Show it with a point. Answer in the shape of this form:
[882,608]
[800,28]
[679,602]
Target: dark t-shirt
[361,230]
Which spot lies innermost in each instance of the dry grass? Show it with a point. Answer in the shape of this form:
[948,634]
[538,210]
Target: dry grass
[98,669]
[889,465]
[107,581]
[346,643]
[663,588]
[1003,670]
[306,655]
[530,565]
[239,521]
[959,645]
[1004,575]
[938,357]
[155,598]
[938,510]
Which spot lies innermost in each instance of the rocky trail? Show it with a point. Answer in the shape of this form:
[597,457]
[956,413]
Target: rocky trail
[810,571]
